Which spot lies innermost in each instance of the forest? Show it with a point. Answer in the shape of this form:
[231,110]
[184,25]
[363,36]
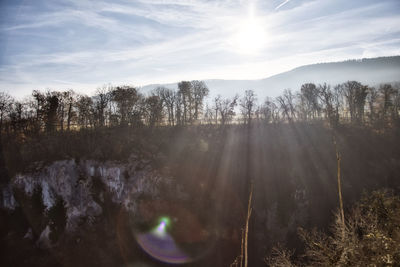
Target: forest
[282,151]
[125,106]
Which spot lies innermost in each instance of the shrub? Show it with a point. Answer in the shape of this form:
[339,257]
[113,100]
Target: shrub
[371,237]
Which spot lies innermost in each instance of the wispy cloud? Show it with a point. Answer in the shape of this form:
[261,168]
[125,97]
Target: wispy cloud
[82,43]
[282,4]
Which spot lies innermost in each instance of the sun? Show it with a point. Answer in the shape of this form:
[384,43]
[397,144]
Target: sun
[250,35]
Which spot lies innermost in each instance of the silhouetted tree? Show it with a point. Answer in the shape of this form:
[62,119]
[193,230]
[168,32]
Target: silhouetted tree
[71,100]
[268,111]
[309,101]
[200,91]
[5,107]
[126,98]
[168,98]
[355,94]
[38,104]
[84,106]
[208,114]
[178,108]
[52,103]
[125,105]
[248,105]
[186,100]
[396,102]
[65,107]
[16,116]
[153,110]
[286,102]
[330,102]
[216,107]
[388,93]
[101,100]
[226,108]
[372,98]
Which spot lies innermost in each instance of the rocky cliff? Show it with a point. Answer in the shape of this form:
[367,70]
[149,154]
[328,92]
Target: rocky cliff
[77,184]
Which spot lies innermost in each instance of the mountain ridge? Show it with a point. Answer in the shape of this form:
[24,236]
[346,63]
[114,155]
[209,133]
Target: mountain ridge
[370,71]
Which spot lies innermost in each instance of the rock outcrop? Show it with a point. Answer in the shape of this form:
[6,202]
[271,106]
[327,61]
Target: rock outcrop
[75,182]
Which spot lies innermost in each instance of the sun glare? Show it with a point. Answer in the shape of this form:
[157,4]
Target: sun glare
[251,35]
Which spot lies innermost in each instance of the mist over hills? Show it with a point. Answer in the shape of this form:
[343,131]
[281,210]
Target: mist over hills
[370,71]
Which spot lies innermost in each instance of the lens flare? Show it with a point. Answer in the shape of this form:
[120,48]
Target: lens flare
[171,233]
[160,245]
[160,230]
[165,220]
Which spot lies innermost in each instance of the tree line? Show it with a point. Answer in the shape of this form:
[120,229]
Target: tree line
[349,102]
[110,106]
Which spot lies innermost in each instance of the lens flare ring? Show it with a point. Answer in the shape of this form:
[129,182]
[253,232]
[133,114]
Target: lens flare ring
[160,245]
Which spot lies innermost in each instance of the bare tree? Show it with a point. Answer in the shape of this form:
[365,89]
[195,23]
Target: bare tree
[372,98]
[65,107]
[309,101]
[286,102]
[200,91]
[153,110]
[101,100]
[396,102]
[16,116]
[330,102]
[226,108]
[126,98]
[185,93]
[5,107]
[168,98]
[85,108]
[248,105]
[179,99]
[355,94]
[208,115]
[38,104]
[268,111]
[217,104]
[71,100]
[51,107]
[388,94]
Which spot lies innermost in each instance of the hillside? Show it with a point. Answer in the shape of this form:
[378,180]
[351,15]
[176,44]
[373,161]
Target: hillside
[371,71]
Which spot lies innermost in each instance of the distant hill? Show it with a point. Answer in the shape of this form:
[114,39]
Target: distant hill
[371,71]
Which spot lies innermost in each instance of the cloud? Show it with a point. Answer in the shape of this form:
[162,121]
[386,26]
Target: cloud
[282,4]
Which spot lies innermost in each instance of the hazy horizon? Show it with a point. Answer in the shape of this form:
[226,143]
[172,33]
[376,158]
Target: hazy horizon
[82,44]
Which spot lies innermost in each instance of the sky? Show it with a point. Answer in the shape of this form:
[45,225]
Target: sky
[83,44]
